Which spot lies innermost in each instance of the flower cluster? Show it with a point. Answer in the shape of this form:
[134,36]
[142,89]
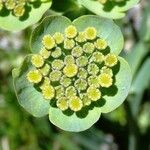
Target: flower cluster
[16,6]
[73,67]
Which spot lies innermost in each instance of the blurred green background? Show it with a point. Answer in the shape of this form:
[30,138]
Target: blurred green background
[126,128]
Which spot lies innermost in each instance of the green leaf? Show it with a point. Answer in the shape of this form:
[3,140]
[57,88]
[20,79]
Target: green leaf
[123,83]
[73,122]
[49,25]
[145,23]
[106,29]
[11,23]
[136,55]
[110,9]
[142,74]
[28,96]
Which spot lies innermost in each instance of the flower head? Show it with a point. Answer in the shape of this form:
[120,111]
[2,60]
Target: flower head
[72,69]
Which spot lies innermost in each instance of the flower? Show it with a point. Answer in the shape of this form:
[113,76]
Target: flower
[72,82]
[74,73]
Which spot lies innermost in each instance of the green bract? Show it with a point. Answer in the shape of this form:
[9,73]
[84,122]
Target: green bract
[114,9]
[77,76]
[16,15]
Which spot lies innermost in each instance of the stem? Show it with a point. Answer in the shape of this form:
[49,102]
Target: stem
[133,128]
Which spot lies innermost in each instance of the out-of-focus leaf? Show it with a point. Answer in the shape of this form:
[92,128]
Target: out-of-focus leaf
[144,119]
[140,83]
[135,57]
[109,9]
[145,24]
[142,80]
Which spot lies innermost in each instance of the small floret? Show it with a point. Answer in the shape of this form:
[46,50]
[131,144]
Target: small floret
[48,92]
[34,76]
[77,51]
[80,84]
[111,60]
[60,91]
[105,80]
[82,73]
[93,93]
[19,10]
[69,59]
[93,81]
[71,31]
[97,57]
[37,60]
[81,37]
[62,103]
[101,44]
[86,100]
[59,38]
[48,41]
[107,71]
[70,70]
[45,70]
[70,91]
[65,81]
[93,69]
[57,64]
[10,4]
[75,103]
[69,43]
[82,61]
[88,47]
[45,53]
[56,53]
[46,82]
[90,33]
[55,75]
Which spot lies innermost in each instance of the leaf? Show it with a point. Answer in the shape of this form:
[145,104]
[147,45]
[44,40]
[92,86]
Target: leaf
[123,83]
[135,57]
[28,96]
[49,25]
[73,122]
[12,23]
[145,23]
[110,9]
[106,29]
[139,85]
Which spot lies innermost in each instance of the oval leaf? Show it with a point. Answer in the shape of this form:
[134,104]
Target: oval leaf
[28,96]
[74,122]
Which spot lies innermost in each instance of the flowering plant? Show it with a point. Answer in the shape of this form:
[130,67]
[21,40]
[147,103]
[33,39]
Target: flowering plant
[114,9]
[74,72]
[16,15]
